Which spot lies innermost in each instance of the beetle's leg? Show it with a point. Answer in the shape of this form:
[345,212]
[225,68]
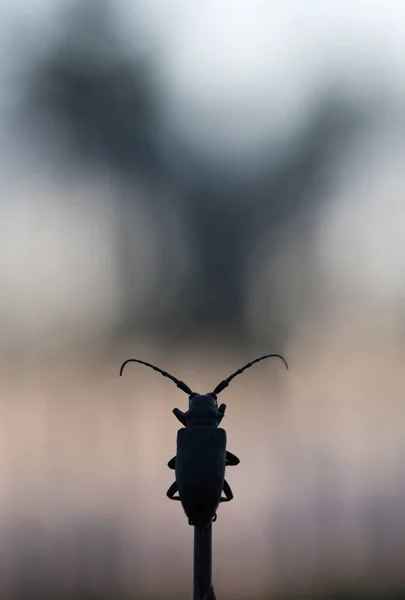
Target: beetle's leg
[180,415]
[227,491]
[221,411]
[172,490]
[172,463]
[231,459]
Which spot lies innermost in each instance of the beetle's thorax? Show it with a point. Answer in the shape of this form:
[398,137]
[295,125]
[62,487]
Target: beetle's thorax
[203,411]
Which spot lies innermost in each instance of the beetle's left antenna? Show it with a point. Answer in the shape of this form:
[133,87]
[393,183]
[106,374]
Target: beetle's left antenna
[224,384]
[180,384]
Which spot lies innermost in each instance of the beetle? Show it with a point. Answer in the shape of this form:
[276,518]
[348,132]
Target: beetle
[201,455]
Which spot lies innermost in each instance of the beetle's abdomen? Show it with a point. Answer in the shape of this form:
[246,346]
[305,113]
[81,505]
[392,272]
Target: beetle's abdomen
[200,471]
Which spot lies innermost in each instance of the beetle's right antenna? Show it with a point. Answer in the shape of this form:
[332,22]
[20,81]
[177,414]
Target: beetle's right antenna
[180,384]
[224,384]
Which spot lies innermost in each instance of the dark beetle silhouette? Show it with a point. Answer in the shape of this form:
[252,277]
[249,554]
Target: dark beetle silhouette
[201,450]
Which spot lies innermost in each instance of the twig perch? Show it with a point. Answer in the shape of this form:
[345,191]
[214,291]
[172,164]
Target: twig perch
[203,589]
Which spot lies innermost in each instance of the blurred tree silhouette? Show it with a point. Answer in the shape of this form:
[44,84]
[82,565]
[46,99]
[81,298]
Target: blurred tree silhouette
[101,95]
[103,100]
[225,232]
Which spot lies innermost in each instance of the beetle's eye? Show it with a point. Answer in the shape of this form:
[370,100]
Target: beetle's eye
[193,395]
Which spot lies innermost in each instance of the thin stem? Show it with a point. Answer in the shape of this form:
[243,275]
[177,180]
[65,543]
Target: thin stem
[203,589]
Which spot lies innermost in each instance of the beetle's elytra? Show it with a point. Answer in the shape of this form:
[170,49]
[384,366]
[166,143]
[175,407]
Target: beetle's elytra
[200,472]
[201,455]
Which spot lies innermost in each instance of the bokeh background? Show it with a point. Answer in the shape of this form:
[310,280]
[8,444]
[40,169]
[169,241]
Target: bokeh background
[195,184]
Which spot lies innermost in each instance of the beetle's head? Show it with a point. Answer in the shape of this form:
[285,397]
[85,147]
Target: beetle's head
[202,400]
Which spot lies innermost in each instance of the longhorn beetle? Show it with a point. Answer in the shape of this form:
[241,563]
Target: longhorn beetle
[201,450]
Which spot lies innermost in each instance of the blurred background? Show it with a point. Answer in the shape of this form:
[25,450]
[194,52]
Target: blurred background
[196,184]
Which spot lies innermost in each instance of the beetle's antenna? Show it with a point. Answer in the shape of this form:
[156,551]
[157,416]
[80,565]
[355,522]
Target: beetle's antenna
[180,384]
[224,384]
